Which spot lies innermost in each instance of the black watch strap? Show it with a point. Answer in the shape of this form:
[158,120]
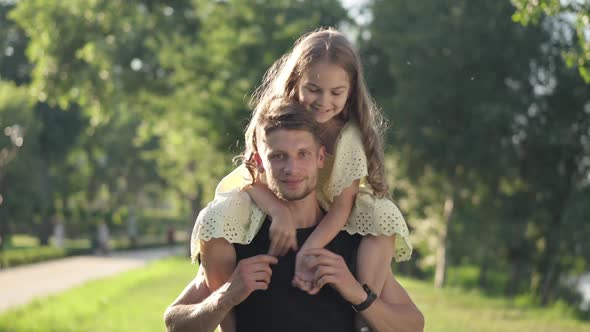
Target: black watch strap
[371,296]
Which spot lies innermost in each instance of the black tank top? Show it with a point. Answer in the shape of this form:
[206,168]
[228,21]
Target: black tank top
[284,308]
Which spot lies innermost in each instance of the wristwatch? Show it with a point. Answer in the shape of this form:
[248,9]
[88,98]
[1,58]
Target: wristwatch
[371,296]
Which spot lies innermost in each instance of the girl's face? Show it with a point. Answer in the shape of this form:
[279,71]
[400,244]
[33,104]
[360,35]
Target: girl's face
[324,90]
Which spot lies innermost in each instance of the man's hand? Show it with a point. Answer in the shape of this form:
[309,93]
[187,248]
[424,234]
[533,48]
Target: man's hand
[250,274]
[331,269]
[282,234]
[304,274]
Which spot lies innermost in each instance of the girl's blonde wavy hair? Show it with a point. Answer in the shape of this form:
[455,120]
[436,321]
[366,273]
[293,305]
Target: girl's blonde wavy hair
[283,77]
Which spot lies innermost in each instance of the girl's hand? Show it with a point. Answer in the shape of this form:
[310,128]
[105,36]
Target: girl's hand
[304,274]
[282,234]
[331,269]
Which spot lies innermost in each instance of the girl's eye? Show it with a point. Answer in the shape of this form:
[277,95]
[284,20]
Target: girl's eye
[276,156]
[312,90]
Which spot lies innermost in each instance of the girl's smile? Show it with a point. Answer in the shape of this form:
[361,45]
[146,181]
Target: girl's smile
[324,90]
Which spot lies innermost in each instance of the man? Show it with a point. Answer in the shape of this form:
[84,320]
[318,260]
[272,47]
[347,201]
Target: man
[256,293]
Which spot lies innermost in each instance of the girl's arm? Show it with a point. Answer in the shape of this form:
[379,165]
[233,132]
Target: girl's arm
[326,230]
[265,199]
[282,229]
[334,220]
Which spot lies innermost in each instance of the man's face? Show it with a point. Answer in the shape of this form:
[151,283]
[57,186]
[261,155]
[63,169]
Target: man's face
[291,159]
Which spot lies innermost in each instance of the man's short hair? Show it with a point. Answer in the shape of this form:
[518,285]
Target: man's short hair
[287,114]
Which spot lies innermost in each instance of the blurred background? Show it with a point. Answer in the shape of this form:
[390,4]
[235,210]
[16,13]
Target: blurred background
[120,117]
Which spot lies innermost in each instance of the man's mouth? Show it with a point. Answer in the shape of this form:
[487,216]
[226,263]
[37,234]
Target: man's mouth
[292,182]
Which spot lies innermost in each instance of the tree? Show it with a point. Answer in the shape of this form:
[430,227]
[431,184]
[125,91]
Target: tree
[553,148]
[54,134]
[59,132]
[488,120]
[452,72]
[18,127]
[185,68]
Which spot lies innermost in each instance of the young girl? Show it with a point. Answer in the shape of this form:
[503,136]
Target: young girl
[324,73]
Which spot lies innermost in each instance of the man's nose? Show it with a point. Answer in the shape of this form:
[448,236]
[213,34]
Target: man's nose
[290,166]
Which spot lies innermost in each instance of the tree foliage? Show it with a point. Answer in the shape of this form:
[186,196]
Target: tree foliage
[573,15]
[492,133]
[163,86]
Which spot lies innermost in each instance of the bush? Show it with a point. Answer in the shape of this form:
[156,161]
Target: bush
[22,256]
[12,258]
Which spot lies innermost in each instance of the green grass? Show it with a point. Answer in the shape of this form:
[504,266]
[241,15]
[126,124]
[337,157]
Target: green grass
[458,310]
[133,301]
[136,300]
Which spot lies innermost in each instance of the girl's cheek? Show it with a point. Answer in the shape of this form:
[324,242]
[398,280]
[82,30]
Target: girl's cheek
[306,104]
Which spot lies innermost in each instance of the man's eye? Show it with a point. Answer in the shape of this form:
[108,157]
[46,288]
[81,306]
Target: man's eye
[276,156]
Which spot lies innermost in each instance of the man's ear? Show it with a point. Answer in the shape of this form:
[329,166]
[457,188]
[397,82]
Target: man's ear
[321,156]
[258,161]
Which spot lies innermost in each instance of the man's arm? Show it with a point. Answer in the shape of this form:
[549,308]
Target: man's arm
[218,260]
[197,309]
[394,310]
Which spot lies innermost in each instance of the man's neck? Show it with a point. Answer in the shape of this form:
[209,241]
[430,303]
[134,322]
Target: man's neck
[306,212]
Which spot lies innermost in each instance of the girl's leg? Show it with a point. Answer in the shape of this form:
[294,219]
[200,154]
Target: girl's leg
[374,260]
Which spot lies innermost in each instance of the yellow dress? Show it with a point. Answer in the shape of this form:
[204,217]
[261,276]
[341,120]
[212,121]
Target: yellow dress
[232,214]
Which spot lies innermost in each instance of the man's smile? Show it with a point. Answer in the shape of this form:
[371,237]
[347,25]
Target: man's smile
[292,182]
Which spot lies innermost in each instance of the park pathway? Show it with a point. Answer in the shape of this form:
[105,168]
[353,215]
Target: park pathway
[20,285]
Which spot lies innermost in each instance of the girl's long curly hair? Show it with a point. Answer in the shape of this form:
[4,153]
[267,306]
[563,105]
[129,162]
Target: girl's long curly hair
[283,77]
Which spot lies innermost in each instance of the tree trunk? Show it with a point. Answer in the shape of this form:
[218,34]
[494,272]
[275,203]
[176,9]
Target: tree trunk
[552,271]
[517,258]
[45,227]
[551,274]
[550,283]
[482,279]
[195,204]
[6,156]
[59,233]
[441,252]
[4,230]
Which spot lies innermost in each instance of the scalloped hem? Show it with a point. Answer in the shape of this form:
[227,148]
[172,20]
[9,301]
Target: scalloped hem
[407,244]
[195,252]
